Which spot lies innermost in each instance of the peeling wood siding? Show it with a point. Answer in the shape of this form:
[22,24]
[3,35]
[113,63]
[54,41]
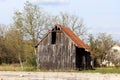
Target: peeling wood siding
[53,57]
[56,56]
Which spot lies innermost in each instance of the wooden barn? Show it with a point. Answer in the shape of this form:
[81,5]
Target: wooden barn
[61,49]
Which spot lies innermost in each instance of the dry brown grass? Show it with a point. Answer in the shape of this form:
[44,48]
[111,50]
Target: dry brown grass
[15,67]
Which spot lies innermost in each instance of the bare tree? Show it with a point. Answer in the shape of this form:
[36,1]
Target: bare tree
[33,21]
[74,22]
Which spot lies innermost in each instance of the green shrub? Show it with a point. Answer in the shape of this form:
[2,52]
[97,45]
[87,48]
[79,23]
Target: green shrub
[32,61]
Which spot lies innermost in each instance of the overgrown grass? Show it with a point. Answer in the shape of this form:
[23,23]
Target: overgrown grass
[16,67]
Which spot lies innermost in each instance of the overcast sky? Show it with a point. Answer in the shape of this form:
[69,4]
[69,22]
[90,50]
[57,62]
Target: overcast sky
[98,15]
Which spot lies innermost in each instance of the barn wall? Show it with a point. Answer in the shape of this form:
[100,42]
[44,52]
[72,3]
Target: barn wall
[60,55]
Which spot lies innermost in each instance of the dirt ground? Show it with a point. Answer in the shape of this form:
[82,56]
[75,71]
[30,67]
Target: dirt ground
[8,75]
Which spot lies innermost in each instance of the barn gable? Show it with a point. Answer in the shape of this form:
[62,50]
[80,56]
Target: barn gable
[70,34]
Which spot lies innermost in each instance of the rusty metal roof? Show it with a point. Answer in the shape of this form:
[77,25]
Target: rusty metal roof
[78,42]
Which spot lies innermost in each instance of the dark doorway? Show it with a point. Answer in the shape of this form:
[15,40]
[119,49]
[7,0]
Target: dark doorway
[53,41]
[88,60]
[80,58]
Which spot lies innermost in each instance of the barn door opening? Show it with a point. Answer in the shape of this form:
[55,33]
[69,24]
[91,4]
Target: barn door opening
[53,41]
[80,58]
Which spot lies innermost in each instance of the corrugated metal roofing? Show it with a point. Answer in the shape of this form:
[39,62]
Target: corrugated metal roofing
[78,42]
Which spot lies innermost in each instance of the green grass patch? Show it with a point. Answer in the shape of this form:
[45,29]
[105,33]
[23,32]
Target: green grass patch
[103,70]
